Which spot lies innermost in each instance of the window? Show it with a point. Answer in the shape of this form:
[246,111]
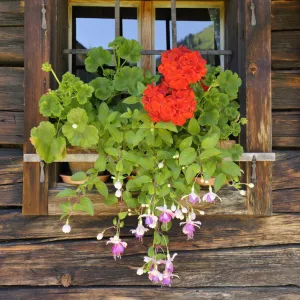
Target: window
[228,32]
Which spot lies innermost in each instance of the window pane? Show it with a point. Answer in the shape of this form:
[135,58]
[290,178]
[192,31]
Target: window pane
[197,28]
[94,27]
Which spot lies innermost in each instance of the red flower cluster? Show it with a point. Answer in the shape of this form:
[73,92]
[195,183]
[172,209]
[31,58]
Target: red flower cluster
[173,100]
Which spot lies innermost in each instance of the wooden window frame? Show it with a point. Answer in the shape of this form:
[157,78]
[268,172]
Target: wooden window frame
[251,58]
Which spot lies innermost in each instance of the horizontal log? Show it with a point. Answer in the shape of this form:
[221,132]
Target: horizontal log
[12,127]
[11,170]
[232,204]
[285,50]
[286,89]
[285,15]
[216,232]
[286,200]
[137,293]
[88,263]
[12,13]
[11,194]
[286,142]
[12,46]
[12,89]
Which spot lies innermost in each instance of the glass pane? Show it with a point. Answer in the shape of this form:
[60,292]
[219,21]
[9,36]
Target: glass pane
[94,27]
[197,28]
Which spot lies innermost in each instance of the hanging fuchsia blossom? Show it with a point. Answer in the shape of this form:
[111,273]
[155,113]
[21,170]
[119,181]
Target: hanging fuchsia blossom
[193,197]
[139,231]
[167,278]
[210,196]
[155,275]
[189,228]
[167,214]
[118,246]
[150,220]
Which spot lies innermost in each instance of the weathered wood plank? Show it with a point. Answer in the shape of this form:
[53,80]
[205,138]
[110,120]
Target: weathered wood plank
[12,46]
[232,204]
[11,194]
[286,129]
[286,200]
[216,232]
[12,89]
[11,127]
[258,102]
[286,50]
[11,12]
[11,166]
[285,90]
[108,293]
[286,15]
[90,263]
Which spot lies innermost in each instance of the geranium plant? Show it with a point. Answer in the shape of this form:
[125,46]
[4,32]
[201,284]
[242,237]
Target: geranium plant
[165,135]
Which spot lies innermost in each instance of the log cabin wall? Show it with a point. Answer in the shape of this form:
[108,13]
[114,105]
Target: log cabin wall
[233,257]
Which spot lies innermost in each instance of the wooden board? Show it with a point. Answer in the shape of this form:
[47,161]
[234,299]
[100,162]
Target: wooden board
[12,46]
[11,12]
[12,88]
[232,203]
[286,15]
[11,195]
[286,89]
[11,127]
[135,293]
[89,263]
[286,50]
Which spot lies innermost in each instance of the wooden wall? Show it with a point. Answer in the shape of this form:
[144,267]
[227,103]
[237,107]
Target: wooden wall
[232,257]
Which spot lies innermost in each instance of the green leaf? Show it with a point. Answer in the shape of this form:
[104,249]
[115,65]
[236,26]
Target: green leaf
[103,112]
[165,135]
[230,168]
[115,133]
[127,79]
[150,252]
[117,42]
[208,168]
[220,179]
[210,141]
[130,51]
[79,176]
[102,188]
[187,142]
[49,105]
[209,153]
[111,199]
[65,207]
[100,164]
[77,131]
[111,151]
[78,207]
[129,200]
[141,87]
[191,172]
[209,118]
[164,240]
[187,156]
[132,100]
[166,125]
[230,83]
[236,152]
[103,88]
[97,57]
[147,163]
[193,127]
[84,92]
[88,205]
[122,215]
[166,226]
[66,193]
[46,144]
[156,238]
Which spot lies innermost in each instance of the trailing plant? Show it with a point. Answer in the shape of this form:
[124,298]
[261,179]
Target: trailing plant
[166,134]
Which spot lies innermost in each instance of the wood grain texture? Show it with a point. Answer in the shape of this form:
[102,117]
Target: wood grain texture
[286,50]
[11,195]
[12,46]
[135,293]
[286,15]
[11,12]
[11,127]
[90,263]
[232,204]
[12,88]
[258,102]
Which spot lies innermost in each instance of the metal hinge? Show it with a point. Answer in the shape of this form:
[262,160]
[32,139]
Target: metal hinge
[253,174]
[44,23]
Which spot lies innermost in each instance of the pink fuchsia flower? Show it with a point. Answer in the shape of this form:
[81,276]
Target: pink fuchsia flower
[155,276]
[118,246]
[189,228]
[169,263]
[193,197]
[150,220]
[167,278]
[167,215]
[210,196]
[139,231]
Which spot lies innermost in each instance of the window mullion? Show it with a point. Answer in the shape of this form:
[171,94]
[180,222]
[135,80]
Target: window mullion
[173,20]
[117,18]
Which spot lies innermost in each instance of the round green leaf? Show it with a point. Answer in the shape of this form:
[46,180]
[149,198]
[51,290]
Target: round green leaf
[97,57]
[187,156]
[50,106]
[103,88]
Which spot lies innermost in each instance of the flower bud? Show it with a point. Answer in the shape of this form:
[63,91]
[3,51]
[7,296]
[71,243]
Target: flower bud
[173,207]
[169,185]
[118,193]
[251,185]
[118,185]
[242,192]
[140,271]
[100,236]
[161,165]
[202,180]
[201,212]
[192,215]
[66,228]
[74,126]
[184,210]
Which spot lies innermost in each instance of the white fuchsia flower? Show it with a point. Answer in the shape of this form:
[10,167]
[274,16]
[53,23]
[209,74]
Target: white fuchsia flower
[167,215]
[179,214]
[118,246]
[139,231]
[189,228]
[210,196]
[155,275]
[66,228]
[150,219]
